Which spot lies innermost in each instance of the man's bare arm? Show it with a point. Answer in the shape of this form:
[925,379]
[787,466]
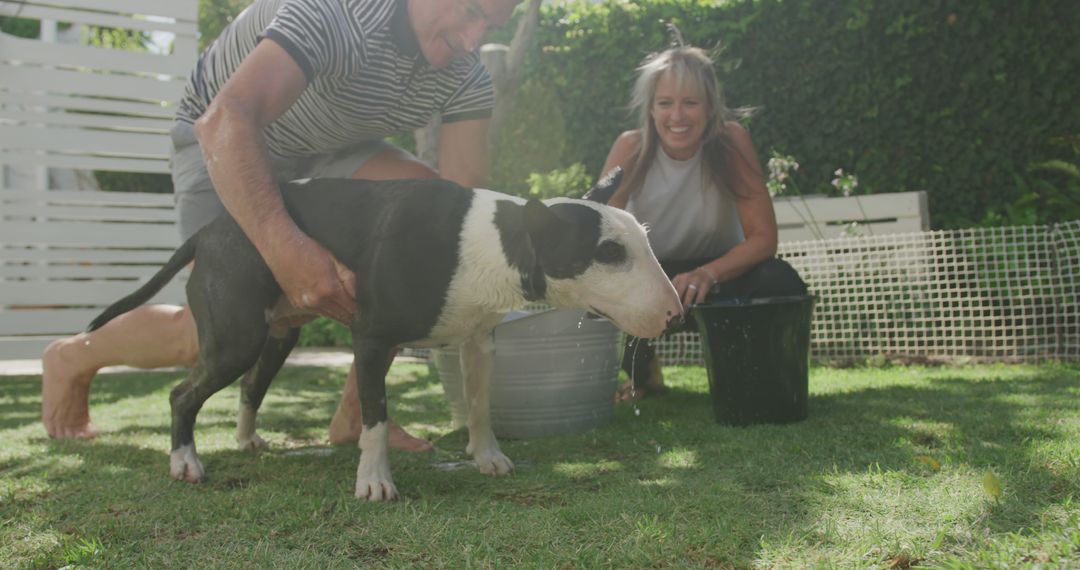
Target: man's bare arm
[265,85]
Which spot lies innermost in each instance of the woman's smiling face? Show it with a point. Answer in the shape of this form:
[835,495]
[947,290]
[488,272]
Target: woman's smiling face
[680,115]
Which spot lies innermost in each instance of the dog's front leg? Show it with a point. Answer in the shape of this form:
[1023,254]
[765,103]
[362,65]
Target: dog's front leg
[373,480]
[476,360]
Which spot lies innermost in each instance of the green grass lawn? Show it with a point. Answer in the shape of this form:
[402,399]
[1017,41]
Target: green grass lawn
[896,467]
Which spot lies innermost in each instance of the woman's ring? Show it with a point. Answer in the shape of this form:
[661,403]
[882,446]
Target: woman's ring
[691,286]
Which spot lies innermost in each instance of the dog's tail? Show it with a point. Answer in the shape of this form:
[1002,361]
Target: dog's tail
[181,257]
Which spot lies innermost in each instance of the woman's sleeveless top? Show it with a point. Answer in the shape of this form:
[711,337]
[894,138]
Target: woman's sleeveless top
[687,216]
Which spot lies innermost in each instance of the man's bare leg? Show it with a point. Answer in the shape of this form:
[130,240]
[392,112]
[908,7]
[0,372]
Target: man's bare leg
[348,422]
[150,336]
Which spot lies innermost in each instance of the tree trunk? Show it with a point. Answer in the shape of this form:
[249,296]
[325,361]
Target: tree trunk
[504,65]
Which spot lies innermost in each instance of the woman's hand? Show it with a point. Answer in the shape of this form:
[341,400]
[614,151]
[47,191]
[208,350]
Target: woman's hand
[694,286]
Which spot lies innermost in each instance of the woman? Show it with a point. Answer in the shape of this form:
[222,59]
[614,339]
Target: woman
[694,178]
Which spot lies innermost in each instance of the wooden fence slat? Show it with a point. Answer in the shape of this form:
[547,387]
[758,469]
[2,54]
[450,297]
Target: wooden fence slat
[140,200]
[818,217]
[68,82]
[147,165]
[87,234]
[55,321]
[86,140]
[70,293]
[19,348]
[90,18]
[62,119]
[164,8]
[36,52]
[68,256]
[76,272]
[82,213]
[153,109]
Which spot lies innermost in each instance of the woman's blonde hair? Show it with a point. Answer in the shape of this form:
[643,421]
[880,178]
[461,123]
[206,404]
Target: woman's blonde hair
[692,69]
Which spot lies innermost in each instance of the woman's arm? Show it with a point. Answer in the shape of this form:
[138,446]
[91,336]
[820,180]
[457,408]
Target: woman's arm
[756,214]
[622,154]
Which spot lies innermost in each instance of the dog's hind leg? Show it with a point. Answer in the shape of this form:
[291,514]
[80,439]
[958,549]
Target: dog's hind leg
[373,479]
[257,380]
[476,361]
[222,359]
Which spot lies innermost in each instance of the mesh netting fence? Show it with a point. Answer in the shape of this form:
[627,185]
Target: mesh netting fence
[988,294]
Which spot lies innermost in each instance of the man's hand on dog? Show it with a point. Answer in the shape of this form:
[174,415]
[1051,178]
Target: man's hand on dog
[312,278]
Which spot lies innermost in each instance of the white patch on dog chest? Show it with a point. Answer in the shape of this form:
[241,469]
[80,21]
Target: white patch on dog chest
[484,284]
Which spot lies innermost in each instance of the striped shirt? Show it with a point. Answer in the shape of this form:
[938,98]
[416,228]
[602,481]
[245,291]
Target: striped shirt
[367,78]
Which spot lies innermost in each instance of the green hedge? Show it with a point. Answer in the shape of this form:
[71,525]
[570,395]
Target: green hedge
[967,100]
[956,98]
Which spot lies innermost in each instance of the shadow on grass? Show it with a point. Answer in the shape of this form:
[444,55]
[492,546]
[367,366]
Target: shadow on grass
[20,398]
[984,425]
[661,458]
[673,458]
[991,426]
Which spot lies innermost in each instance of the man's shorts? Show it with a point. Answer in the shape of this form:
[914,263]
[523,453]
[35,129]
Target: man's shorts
[197,204]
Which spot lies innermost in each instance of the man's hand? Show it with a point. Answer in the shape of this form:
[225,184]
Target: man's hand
[312,278]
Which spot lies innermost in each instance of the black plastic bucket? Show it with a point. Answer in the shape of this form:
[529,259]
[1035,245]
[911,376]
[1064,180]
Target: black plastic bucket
[757,355]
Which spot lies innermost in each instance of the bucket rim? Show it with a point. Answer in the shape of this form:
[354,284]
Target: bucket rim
[575,315]
[755,301]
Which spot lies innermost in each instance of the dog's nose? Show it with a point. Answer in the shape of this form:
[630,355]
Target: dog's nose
[674,321]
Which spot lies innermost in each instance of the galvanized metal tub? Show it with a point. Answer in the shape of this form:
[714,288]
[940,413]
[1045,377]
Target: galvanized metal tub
[555,372]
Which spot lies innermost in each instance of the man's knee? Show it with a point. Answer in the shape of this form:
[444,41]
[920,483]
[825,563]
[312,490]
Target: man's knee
[184,333]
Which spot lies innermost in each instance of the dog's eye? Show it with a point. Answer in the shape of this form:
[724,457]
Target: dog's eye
[610,252]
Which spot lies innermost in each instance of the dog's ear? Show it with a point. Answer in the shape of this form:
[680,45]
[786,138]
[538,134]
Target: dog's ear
[541,226]
[604,188]
[544,224]
[541,223]
[563,236]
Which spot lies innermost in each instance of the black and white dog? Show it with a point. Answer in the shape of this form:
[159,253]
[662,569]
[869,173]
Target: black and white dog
[436,264]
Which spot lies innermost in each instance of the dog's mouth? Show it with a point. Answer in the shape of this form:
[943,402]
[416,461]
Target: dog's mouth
[596,315]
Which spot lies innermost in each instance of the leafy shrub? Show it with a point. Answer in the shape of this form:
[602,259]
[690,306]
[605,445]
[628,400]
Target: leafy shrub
[572,182]
[955,98]
[325,332]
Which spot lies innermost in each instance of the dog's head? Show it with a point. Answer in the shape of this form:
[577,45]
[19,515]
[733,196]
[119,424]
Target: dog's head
[592,256]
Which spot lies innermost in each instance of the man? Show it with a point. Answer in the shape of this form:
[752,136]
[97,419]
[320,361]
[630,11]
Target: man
[294,89]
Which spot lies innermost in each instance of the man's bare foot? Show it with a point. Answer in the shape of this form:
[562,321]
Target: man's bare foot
[403,440]
[345,429]
[629,392]
[649,383]
[65,392]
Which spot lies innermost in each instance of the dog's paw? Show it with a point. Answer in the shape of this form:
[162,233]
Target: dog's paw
[376,489]
[493,462]
[184,465]
[252,443]
[373,479]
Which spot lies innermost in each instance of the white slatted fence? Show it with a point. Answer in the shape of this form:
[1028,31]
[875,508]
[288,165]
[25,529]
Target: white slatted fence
[80,106]
[65,255]
[801,218]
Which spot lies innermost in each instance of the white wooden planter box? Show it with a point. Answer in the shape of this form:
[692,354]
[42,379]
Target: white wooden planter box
[802,218]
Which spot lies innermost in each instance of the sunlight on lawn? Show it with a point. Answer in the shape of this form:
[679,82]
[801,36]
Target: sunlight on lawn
[894,467]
